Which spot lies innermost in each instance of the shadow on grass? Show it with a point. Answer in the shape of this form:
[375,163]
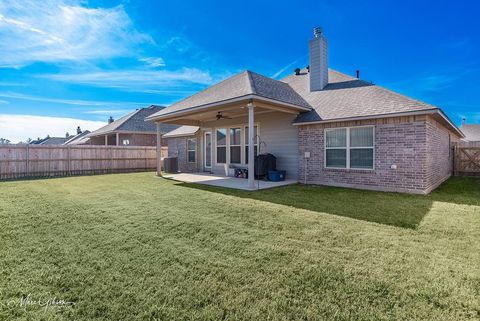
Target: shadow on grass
[401,210]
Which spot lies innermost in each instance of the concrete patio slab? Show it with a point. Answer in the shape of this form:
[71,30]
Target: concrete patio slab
[224,181]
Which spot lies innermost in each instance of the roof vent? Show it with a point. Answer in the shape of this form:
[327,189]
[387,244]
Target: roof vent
[358,74]
[297,71]
[110,120]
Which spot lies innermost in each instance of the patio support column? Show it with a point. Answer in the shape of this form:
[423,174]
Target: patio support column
[251,147]
[159,150]
[106,140]
[117,137]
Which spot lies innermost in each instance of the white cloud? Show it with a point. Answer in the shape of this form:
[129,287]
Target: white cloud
[137,78]
[18,128]
[153,62]
[62,30]
[78,102]
[109,112]
[284,68]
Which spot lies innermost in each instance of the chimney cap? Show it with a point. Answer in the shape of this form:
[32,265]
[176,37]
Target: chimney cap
[317,31]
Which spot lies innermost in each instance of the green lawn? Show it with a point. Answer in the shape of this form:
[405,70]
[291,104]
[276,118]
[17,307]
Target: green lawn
[137,247]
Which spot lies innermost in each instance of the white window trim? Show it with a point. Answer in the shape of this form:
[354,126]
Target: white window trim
[192,150]
[226,146]
[242,143]
[242,132]
[348,147]
[204,148]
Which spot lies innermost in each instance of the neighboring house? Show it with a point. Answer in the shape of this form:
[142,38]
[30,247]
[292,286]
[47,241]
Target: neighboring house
[471,131]
[80,138]
[51,140]
[323,126]
[130,130]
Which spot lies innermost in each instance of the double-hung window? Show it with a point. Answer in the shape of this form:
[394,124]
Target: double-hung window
[235,145]
[349,147]
[192,150]
[221,136]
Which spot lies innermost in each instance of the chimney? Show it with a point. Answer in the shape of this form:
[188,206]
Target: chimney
[110,120]
[318,60]
[79,130]
[464,121]
[67,135]
[358,74]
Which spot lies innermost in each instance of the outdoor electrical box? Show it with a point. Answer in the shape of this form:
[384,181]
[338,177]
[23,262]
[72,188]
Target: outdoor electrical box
[307,154]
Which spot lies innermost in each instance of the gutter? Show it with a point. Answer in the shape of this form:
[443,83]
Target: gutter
[408,113]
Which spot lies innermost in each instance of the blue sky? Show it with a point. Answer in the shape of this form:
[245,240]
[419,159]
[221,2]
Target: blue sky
[68,62]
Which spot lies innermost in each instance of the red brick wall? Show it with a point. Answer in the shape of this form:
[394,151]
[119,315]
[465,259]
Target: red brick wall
[440,153]
[400,141]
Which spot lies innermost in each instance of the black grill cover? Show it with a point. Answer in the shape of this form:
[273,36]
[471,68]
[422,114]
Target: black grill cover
[265,163]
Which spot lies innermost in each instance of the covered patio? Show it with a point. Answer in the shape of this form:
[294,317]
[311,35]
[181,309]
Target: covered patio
[236,119]
[226,181]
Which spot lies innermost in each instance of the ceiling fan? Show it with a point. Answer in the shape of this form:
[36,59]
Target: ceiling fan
[220,116]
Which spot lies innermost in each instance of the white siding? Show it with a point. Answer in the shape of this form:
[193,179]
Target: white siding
[276,130]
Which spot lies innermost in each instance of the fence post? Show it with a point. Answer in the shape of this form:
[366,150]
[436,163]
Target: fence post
[112,167]
[68,160]
[27,161]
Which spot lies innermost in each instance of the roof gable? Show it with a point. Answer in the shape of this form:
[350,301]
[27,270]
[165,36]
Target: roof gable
[134,122]
[240,85]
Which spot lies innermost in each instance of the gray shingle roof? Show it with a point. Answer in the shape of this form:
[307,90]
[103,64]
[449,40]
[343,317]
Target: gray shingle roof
[135,122]
[471,131]
[78,139]
[347,97]
[240,85]
[182,131]
[54,141]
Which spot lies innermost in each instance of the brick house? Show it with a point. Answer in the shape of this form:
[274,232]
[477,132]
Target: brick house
[324,127]
[129,130]
[471,131]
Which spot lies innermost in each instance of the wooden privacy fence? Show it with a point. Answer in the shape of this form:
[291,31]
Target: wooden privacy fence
[467,159]
[24,161]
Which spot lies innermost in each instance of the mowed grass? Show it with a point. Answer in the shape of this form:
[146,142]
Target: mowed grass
[137,247]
